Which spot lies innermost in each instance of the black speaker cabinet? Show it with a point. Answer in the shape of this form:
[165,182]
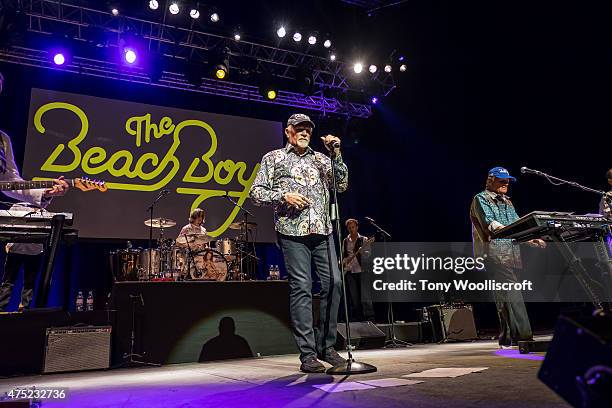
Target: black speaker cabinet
[452,322]
[410,332]
[578,364]
[364,335]
[77,349]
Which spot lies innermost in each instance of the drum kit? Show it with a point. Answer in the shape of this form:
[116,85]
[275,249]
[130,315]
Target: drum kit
[189,257]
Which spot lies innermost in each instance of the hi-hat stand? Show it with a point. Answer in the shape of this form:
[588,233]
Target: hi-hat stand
[249,254]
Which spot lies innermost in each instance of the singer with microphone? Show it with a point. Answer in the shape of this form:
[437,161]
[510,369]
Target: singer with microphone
[295,181]
[491,210]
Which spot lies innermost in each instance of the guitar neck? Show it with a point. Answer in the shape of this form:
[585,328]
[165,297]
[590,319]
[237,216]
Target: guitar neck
[29,185]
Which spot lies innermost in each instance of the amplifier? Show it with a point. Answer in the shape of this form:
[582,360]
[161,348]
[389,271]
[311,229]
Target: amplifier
[77,348]
[451,322]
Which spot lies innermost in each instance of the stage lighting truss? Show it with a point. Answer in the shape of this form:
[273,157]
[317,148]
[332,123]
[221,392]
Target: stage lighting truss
[51,16]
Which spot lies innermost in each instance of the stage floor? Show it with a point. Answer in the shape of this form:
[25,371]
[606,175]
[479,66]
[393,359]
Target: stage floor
[509,380]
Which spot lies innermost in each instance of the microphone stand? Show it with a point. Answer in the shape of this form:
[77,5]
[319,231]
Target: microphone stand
[393,342]
[350,366]
[246,232]
[560,181]
[150,210]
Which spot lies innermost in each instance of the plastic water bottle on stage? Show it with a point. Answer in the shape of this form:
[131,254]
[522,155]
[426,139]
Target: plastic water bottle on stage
[90,301]
[79,301]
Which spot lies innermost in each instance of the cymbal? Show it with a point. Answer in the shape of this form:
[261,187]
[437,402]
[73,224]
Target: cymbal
[160,223]
[193,239]
[241,225]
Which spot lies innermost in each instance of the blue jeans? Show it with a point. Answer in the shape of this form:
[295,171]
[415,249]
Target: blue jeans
[300,253]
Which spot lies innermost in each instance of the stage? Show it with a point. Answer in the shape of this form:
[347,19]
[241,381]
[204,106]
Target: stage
[503,379]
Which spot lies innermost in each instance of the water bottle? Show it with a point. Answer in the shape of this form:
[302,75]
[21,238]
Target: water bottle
[90,301]
[270,272]
[276,272]
[79,301]
[425,315]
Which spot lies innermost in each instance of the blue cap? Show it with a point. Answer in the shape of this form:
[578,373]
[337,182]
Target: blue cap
[501,173]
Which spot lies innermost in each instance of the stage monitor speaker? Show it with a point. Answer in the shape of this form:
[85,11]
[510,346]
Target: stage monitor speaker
[410,332]
[77,349]
[458,322]
[578,364]
[364,335]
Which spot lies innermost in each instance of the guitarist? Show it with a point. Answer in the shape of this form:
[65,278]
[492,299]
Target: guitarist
[357,277]
[26,254]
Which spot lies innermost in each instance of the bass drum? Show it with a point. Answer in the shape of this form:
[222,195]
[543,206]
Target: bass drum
[208,265]
[124,264]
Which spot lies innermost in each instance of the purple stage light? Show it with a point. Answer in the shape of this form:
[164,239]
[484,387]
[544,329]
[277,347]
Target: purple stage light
[59,58]
[374,100]
[129,55]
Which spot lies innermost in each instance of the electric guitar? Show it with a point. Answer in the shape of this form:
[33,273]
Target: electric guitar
[346,261]
[83,184]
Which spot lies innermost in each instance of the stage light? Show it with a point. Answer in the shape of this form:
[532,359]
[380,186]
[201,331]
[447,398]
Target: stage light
[312,40]
[332,57]
[153,4]
[268,87]
[403,68]
[194,13]
[129,55]
[401,58]
[304,79]
[327,44]
[59,58]
[388,68]
[281,32]
[220,71]
[174,8]
[373,68]
[115,12]
[214,17]
[271,94]
[297,37]
[374,100]
[237,37]
[358,67]
[220,62]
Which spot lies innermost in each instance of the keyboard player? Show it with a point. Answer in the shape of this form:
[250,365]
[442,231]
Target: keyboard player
[27,255]
[490,210]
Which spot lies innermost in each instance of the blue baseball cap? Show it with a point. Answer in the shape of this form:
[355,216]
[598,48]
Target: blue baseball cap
[501,173]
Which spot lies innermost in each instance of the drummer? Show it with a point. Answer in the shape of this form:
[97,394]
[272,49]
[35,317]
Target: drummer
[196,219]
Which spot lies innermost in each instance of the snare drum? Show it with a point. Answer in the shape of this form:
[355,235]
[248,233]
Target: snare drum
[227,247]
[124,264]
[208,265]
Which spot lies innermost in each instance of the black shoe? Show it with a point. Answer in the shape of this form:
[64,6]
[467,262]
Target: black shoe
[312,365]
[332,357]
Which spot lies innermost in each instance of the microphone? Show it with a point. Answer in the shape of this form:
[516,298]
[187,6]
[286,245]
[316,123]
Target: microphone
[370,220]
[527,170]
[335,145]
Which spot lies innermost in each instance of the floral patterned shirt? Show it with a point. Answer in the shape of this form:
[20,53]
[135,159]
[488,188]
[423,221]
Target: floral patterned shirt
[285,171]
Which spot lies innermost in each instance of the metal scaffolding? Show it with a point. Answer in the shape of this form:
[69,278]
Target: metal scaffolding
[101,28]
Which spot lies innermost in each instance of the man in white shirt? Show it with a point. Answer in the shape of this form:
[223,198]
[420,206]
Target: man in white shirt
[357,282]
